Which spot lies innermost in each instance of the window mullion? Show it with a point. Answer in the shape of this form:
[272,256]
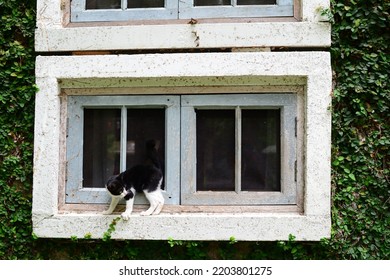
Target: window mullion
[238,142]
[123,141]
[124,5]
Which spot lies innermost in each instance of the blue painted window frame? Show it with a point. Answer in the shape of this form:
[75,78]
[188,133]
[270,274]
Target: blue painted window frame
[183,9]
[180,147]
[288,105]
[74,191]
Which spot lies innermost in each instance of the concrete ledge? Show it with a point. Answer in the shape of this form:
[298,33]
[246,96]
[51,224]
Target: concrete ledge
[183,36]
[243,227]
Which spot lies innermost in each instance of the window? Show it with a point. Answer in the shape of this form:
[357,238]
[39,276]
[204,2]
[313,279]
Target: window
[263,116]
[69,26]
[107,135]
[235,149]
[245,149]
[122,10]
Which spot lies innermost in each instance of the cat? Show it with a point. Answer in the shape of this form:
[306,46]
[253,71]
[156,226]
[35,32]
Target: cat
[146,178]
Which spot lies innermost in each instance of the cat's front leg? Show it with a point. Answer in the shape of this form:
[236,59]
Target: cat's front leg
[114,202]
[129,208]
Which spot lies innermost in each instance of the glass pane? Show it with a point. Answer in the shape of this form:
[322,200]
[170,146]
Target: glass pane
[228,2]
[103,4]
[145,3]
[260,161]
[215,150]
[144,125]
[256,2]
[101,149]
[212,3]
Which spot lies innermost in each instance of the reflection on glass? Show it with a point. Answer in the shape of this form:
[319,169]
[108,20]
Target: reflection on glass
[101,147]
[145,3]
[215,152]
[256,2]
[144,125]
[260,170]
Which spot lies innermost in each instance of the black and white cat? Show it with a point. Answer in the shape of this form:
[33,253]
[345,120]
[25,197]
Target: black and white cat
[146,178]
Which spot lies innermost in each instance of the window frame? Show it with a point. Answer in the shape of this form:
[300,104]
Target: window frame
[182,9]
[75,193]
[80,14]
[283,8]
[180,163]
[287,102]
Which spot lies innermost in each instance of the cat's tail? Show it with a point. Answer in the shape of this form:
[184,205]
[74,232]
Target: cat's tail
[152,157]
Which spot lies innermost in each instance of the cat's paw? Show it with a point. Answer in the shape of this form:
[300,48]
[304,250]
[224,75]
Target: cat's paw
[107,212]
[126,216]
[145,213]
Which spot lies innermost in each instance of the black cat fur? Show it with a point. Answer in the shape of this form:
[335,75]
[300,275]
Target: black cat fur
[146,178]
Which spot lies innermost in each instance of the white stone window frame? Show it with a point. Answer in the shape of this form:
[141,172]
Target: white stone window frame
[175,9]
[59,76]
[307,28]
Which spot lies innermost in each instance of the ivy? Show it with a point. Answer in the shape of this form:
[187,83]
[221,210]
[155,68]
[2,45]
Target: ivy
[110,230]
[361,136]
[17,93]
[360,152]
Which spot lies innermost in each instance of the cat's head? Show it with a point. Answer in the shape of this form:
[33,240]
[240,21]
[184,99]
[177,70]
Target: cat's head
[115,186]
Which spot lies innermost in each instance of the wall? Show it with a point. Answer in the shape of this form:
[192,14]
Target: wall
[360,154]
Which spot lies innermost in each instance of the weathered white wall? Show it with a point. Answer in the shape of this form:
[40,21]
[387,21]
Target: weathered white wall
[175,73]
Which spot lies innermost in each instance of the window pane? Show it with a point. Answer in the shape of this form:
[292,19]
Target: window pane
[144,125]
[101,149]
[228,2]
[260,160]
[212,3]
[215,150]
[256,2]
[103,4]
[145,3]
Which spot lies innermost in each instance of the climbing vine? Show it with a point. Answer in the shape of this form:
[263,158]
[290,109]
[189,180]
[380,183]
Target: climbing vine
[360,152]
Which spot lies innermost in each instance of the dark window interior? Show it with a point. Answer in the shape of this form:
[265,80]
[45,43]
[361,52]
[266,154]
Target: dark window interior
[216,149]
[102,141]
[103,4]
[260,161]
[228,2]
[144,125]
[101,147]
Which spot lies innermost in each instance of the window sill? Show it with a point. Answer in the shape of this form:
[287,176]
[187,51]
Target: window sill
[179,21]
[183,36]
[184,209]
[186,226]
